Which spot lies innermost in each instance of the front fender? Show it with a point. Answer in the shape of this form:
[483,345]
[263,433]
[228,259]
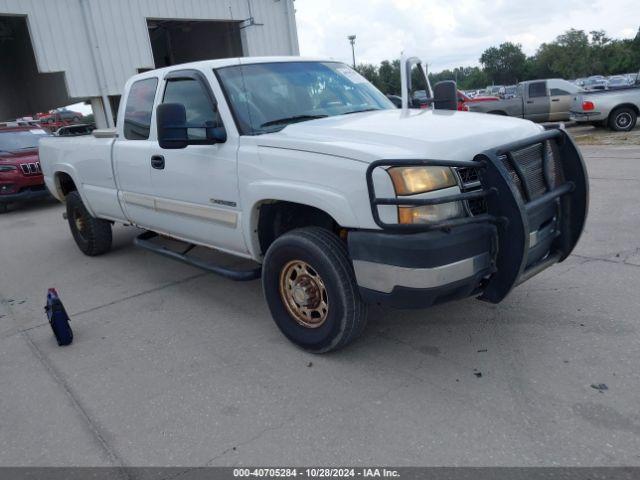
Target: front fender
[332,202]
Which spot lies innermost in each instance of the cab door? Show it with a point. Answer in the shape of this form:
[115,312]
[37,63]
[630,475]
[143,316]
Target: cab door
[196,188]
[131,153]
[560,95]
[536,102]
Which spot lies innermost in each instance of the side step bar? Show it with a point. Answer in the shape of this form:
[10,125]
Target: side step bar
[144,241]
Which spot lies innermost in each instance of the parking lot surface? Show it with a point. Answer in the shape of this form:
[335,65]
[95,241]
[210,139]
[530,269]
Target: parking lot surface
[173,366]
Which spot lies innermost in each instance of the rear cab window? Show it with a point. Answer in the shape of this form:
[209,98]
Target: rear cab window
[537,89]
[138,110]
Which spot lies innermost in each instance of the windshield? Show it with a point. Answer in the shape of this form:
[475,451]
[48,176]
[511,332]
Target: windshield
[266,97]
[14,141]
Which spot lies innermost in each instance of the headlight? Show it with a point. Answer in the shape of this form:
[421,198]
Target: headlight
[412,180]
[7,168]
[430,213]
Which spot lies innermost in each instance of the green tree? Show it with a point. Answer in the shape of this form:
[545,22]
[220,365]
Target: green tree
[504,64]
[370,72]
[568,56]
[389,77]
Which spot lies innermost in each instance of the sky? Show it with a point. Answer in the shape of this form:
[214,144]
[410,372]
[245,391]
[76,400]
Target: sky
[447,34]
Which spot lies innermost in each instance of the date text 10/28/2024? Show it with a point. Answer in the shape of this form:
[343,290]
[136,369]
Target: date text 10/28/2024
[315,472]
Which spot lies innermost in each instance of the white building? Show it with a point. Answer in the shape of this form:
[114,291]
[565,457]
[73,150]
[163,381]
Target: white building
[58,52]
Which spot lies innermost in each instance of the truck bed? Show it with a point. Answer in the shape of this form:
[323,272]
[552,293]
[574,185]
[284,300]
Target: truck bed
[87,158]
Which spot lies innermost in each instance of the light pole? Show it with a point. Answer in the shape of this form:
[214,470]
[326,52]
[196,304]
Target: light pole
[352,39]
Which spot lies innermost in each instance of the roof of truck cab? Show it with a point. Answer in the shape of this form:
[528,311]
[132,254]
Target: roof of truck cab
[228,62]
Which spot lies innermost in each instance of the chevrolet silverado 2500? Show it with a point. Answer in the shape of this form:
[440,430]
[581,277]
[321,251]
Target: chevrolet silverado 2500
[342,199]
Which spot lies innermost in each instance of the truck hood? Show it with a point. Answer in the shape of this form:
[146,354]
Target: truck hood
[413,134]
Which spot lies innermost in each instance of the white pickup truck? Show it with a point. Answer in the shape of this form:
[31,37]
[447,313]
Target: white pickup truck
[340,198]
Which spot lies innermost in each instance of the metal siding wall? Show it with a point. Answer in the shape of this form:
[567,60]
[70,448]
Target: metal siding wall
[60,42]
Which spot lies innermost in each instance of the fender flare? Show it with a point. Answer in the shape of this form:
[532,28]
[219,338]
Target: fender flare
[333,203]
[71,171]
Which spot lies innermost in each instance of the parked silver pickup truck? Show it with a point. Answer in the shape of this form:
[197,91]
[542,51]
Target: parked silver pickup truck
[537,100]
[617,109]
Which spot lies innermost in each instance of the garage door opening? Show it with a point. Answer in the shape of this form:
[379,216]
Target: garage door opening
[181,41]
[24,90]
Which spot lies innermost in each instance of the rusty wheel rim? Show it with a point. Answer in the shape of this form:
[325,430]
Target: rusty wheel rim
[79,221]
[304,294]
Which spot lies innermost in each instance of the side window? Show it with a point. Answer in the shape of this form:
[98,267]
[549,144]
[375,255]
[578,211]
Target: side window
[537,89]
[137,114]
[558,91]
[191,93]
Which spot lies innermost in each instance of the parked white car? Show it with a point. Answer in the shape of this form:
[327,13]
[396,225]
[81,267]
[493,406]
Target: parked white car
[340,198]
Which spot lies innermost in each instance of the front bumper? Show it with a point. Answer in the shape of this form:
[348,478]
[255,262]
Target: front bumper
[26,194]
[524,230]
[421,269]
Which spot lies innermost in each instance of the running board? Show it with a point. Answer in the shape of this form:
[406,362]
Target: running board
[144,241]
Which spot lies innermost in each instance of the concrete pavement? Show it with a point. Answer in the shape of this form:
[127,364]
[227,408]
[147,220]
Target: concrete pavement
[173,366]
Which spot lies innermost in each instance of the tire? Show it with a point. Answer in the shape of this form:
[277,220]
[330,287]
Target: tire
[313,264]
[92,235]
[623,119]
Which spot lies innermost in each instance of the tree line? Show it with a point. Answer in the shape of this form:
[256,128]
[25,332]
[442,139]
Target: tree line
[573,54]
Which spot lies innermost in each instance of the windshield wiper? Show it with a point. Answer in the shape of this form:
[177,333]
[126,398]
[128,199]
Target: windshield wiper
[293,119]
[363,110]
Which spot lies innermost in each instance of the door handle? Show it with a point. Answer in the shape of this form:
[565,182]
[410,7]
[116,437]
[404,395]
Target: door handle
[529,101]
[555,99]
[157,162]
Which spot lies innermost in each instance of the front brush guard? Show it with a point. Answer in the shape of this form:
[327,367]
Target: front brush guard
[510,210]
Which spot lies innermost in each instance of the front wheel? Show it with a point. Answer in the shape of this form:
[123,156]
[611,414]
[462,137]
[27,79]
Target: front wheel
[623,119]
[311,290]
[92,235]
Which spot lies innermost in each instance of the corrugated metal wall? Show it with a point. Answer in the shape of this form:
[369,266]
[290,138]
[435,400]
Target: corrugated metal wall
[117,31]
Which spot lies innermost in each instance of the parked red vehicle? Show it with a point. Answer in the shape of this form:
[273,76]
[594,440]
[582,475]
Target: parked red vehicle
[60,115]
[20,174]
[463,100]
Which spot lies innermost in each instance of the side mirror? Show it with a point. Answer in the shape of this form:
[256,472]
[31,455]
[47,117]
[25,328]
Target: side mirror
[445,95]
[171,119]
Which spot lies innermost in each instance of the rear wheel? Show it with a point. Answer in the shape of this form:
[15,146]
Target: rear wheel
[92,235]
[623,119]
[311,290]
